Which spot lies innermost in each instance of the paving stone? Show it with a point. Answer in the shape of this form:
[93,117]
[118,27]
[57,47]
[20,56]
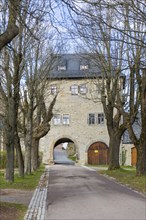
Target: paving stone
[36,208]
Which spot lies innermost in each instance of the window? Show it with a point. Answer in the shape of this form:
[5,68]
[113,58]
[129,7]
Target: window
[62,65]
[61,68]
[57,119]
[100,118]
[74,89]
[94,118]
[91,119]
[83,89]
[65,119]
[53,89]
[83,67]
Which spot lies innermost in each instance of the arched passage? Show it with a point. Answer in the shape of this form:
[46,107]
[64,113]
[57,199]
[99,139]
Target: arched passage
[61,154]
[98,153]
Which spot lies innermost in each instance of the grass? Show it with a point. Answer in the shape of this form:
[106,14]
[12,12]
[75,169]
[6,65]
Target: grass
[72,157]
[128,177]
[11,210]
[29,182]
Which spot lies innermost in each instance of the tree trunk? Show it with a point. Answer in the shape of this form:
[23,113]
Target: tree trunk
[10,162]
[141,147]
[141,158]
[10,129]
[28,139]
[28,144]
[35,154]
[114,147]
[19,156]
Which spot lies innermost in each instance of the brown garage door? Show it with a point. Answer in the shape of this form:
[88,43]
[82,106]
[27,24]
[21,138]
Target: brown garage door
[133,156]
[98,154]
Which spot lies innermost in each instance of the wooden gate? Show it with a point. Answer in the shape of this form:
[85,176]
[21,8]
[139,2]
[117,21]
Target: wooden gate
[98,154]
[133,156]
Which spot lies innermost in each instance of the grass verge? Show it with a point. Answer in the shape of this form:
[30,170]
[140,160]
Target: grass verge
[28,182]
[12,211]
[128,177]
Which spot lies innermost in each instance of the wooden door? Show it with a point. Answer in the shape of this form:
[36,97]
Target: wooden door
[133,156]
[98,154]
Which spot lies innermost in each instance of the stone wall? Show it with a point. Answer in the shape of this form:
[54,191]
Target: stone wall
[78,130]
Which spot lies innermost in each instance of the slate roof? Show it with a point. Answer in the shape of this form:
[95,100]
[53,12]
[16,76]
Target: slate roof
[137,130]
[72,64]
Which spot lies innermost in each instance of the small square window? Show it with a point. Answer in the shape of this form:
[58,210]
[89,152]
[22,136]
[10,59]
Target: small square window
[83,89]
[91,119]
[74,89]
[57,119]
[66,119]
[53,89]
[101,118]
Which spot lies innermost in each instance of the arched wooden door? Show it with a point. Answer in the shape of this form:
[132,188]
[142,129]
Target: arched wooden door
[98,154]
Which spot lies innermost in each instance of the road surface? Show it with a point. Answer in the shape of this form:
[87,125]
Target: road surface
[78,193]
[60,157]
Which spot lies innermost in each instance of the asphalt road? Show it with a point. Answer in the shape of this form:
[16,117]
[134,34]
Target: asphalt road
[60,157]
[77,193]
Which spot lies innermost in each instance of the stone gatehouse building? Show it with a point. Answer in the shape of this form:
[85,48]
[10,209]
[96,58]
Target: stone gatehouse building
[78,116]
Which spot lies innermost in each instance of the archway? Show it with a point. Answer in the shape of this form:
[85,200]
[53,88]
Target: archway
[98,154]
[64,151]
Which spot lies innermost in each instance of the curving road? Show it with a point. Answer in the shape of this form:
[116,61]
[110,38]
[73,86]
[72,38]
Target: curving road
[60,157]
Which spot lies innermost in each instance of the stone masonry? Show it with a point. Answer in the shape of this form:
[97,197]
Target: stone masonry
[78,130]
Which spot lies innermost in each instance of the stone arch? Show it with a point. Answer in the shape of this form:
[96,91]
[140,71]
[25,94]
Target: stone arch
[98,153]
[61,139]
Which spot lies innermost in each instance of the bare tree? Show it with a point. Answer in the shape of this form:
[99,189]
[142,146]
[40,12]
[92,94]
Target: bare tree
[114,31]
[35,113]
[12,29]
[13,67]
[106,48]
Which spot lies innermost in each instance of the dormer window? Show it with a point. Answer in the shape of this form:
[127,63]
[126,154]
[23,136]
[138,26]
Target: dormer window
[84,64]
[84,67]
[61,68]
[62,65]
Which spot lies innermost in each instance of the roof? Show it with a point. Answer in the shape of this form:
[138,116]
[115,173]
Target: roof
[70,66]
[137,131]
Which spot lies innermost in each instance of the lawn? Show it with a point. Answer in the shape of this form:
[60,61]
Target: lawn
[12,211]
[29,182]
[127,176]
